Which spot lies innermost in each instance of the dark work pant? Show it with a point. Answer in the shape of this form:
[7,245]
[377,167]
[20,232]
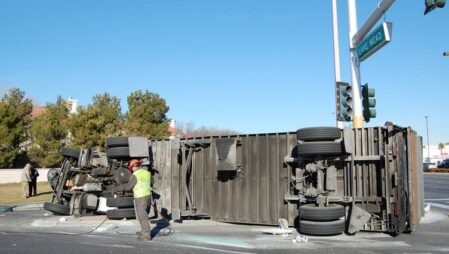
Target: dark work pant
[141,206]
[32,188]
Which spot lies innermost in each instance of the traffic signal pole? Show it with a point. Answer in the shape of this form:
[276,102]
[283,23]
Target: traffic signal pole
[357,119]
[355,37]
[340,124]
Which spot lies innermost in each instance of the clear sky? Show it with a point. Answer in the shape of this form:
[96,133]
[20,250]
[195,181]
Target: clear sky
[249,65]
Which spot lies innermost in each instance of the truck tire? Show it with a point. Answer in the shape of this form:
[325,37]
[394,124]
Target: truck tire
[311,212]
[122,175]
[320,148]
[118,214]
[322,228]
[118,152]
[116,142]
[120,202]
[53,174]
[319,134]
[57,208]
[67,152]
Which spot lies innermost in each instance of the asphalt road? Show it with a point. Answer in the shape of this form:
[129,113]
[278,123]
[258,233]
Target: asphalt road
[18,235]
[436,190]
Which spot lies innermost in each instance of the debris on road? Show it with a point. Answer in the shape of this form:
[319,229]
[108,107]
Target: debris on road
[106,228]
[282,230]
[6,208]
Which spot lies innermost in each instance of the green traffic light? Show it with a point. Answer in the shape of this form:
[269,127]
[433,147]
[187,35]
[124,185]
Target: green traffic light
[432,4]
[371,102]
[345,110]
[368,102]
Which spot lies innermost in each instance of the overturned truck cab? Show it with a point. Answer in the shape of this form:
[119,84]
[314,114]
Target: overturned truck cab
[92,182]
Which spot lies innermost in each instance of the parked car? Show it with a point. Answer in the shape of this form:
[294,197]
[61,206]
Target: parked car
[427,165]
[444,164]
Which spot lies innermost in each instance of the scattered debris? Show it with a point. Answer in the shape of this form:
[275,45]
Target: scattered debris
[106,228]
[427,208]
[300,238]
[283,229]
[6,208]
[62,219]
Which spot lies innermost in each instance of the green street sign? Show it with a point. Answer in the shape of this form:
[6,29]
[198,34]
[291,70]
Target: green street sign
[374,41]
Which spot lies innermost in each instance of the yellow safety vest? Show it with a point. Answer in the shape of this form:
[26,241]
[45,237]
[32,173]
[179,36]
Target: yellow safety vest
[143,185]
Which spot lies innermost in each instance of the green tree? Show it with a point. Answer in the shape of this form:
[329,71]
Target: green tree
[15,112]
[91,125]
[48,132]
[441,147]
[146,115]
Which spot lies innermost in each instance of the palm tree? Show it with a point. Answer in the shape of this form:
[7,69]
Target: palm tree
[441,147]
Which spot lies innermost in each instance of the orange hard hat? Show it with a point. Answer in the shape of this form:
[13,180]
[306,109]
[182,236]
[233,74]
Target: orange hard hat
[134,162]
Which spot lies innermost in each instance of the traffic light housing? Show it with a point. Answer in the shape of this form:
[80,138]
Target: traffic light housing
[432,4]
[368,102]
[344,100]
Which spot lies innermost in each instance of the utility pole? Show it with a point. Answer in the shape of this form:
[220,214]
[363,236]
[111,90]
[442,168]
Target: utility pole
[357,119]
[427,130]
[337,72]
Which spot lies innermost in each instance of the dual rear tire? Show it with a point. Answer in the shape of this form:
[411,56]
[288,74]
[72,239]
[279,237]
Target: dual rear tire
[321,221]
[319,141]
[118,148]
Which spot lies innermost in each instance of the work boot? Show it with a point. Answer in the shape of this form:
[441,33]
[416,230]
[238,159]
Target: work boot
[144,237]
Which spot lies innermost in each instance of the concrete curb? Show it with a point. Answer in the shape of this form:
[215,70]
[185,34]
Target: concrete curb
[29,207]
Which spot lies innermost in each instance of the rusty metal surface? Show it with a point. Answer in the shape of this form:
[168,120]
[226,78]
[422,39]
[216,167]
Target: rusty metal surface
[415,176]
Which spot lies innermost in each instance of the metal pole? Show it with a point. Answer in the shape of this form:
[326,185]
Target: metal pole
[357,120]
[382,7]
[340,124]
[427,130]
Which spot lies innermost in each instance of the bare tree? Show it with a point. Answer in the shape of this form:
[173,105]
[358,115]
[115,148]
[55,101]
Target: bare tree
[188,130]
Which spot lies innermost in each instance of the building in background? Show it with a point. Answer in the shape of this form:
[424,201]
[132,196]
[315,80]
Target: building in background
[172,129]
[37,111]
[436,155]
[73,105]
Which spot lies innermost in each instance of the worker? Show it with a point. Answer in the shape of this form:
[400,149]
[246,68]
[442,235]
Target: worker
[140,183]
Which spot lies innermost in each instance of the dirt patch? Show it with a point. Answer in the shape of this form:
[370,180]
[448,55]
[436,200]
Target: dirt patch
[11,193]
[437,170]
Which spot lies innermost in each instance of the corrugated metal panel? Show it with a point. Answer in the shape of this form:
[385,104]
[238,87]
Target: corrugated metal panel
[415,176]
[255,193]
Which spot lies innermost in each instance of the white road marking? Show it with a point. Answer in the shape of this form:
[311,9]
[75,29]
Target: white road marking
[100,236]
[3,233]
[436,199]
[110,245]
[438,205]
[212,249]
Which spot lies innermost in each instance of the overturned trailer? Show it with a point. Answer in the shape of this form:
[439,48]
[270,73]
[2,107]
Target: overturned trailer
[323,180]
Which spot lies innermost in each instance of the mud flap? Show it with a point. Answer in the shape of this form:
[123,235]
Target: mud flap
[358,218]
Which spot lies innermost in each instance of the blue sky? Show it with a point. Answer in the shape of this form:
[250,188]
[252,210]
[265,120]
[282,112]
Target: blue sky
[249,65]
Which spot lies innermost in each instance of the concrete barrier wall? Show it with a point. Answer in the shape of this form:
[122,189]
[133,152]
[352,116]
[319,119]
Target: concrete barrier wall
[13,175]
